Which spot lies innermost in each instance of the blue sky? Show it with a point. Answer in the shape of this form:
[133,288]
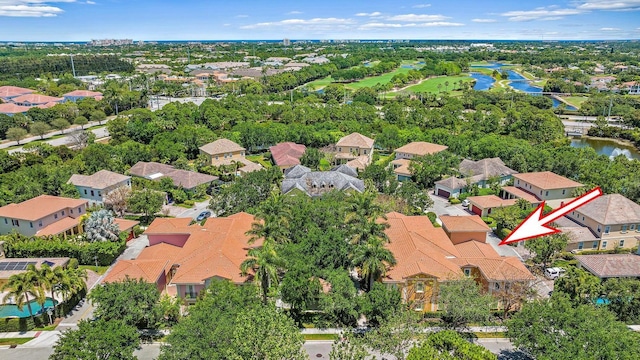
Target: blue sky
[82,20]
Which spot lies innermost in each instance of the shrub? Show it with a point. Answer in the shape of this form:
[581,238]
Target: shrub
[503,233]
[432,217]
[487,220]
[454,201]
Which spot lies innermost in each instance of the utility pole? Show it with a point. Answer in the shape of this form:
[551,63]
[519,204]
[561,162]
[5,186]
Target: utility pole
[73,68]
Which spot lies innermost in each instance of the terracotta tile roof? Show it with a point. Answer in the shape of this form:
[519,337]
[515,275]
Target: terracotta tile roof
[519,193]
[612,209]
[287,154]
[403,166]
[420,148]
[476,249]
[499,269]
[35,99]
[83,93]
[124,224]
[47,105]
[39,207]
[13,109]
[221,146]
[490,201]
[611,265]
[547,180]
[59,226]
[355,140]
[147,270]
[485,168]
[155,171]
[471,223]
[249,166]
[12,91]
[214,250]
[100,180]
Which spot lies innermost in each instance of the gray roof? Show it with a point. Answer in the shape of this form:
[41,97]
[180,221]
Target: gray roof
[452,182]
[156,171]
[612,209]
[485,168]
[100,180]
[316,183]
[611,265]
[347,170]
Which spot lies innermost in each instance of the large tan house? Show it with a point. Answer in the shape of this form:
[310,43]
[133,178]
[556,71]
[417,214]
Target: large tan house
[43,215]
[356,150]
[541,186]
[405,153]
[226,152]
[613,219]
[97,186]
[426,257]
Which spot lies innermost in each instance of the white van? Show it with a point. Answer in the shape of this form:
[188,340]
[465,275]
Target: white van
[554,273]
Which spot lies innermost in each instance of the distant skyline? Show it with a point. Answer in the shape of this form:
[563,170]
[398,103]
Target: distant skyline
[83,20]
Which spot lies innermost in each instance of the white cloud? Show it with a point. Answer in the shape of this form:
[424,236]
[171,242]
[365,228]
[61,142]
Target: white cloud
[89,2]
[613,5]
[294,12]
[378,25]
[375,13]
[540,14]
[609,29]
[484,20]
[421,6]
[309,24]
[417,18]
[31,8]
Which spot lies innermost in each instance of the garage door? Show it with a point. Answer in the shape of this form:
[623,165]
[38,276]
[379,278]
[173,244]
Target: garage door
[476,210]
[443,193]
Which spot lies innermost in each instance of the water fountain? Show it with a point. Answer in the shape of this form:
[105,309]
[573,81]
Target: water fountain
[618,151]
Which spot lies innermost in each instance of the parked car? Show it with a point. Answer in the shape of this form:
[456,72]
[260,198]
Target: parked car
[554,272]
[203,215]
[466,203]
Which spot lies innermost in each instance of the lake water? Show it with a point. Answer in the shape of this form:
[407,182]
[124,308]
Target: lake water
[607,147]
[483,82]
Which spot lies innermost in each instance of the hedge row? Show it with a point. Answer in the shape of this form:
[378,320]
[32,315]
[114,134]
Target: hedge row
[105,252]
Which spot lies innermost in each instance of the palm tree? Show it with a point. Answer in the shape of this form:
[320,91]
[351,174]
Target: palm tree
[446,85]
[363,218]
[273,221]
[33,275]
[53,278]
[265,263]
[372,259]
[20,288]
[439,87]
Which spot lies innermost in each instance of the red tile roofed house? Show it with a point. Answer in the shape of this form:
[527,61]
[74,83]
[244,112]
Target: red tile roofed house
[35,100]
[425,257]
[405,153]
[464,228]
[81,94]
[607,266]
[192,255]
[543,185]
[226,152]
[484,205]
[286,155]
[352,146]
[9,92]
[613,219]
[12,109]
[43,215]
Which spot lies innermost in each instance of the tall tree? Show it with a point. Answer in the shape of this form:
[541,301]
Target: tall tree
[95,340]
[373,259]
[133,301]
[265,263]
[20,290]
[462,302]
[16,134]
[546,247]
[579,285]
[39,128]
[146,201]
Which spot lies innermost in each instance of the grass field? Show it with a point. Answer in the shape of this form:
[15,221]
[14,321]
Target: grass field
[308,337]
[431,85]
[266,163]
[576,100]
[372,81]
[319,84]
[15,341]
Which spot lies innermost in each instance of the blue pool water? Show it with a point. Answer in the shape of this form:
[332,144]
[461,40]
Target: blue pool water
[12,310]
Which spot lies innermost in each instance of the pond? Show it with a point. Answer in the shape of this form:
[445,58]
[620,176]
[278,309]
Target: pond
[483,82]
[607,147]
[11,310]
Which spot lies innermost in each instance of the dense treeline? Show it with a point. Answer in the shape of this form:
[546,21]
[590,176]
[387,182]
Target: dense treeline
[24,67]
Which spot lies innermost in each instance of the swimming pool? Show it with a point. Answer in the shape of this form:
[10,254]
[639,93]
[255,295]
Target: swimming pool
[11,310]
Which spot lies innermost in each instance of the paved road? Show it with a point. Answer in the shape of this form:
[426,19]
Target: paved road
[146,352]
[100,133]
[441,206]
[194,211]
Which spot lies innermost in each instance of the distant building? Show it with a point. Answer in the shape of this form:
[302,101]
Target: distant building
[226,152]
[153,69]
[110,42]
[43,215]
[354,146]
[81,94]
[286,42]
[32,100]
[477,173]
[97,186]
[12,109]
[405,153]
[7,93]
[541,186]
[188,180]
[286,155]
[606,266]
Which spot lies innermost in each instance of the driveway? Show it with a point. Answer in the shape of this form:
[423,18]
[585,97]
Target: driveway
[441,206]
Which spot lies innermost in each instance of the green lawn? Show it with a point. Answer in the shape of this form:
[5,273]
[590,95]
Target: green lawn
[431,85]
[266,163]
[15,341]
[319,84]
[97,269]
[484,71]
[576,100]
[308,337]
[372,81]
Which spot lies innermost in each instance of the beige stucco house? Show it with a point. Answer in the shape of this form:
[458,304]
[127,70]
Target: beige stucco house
[226,152]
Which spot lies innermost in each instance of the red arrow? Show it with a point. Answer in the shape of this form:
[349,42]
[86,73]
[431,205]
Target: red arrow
[535,224]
